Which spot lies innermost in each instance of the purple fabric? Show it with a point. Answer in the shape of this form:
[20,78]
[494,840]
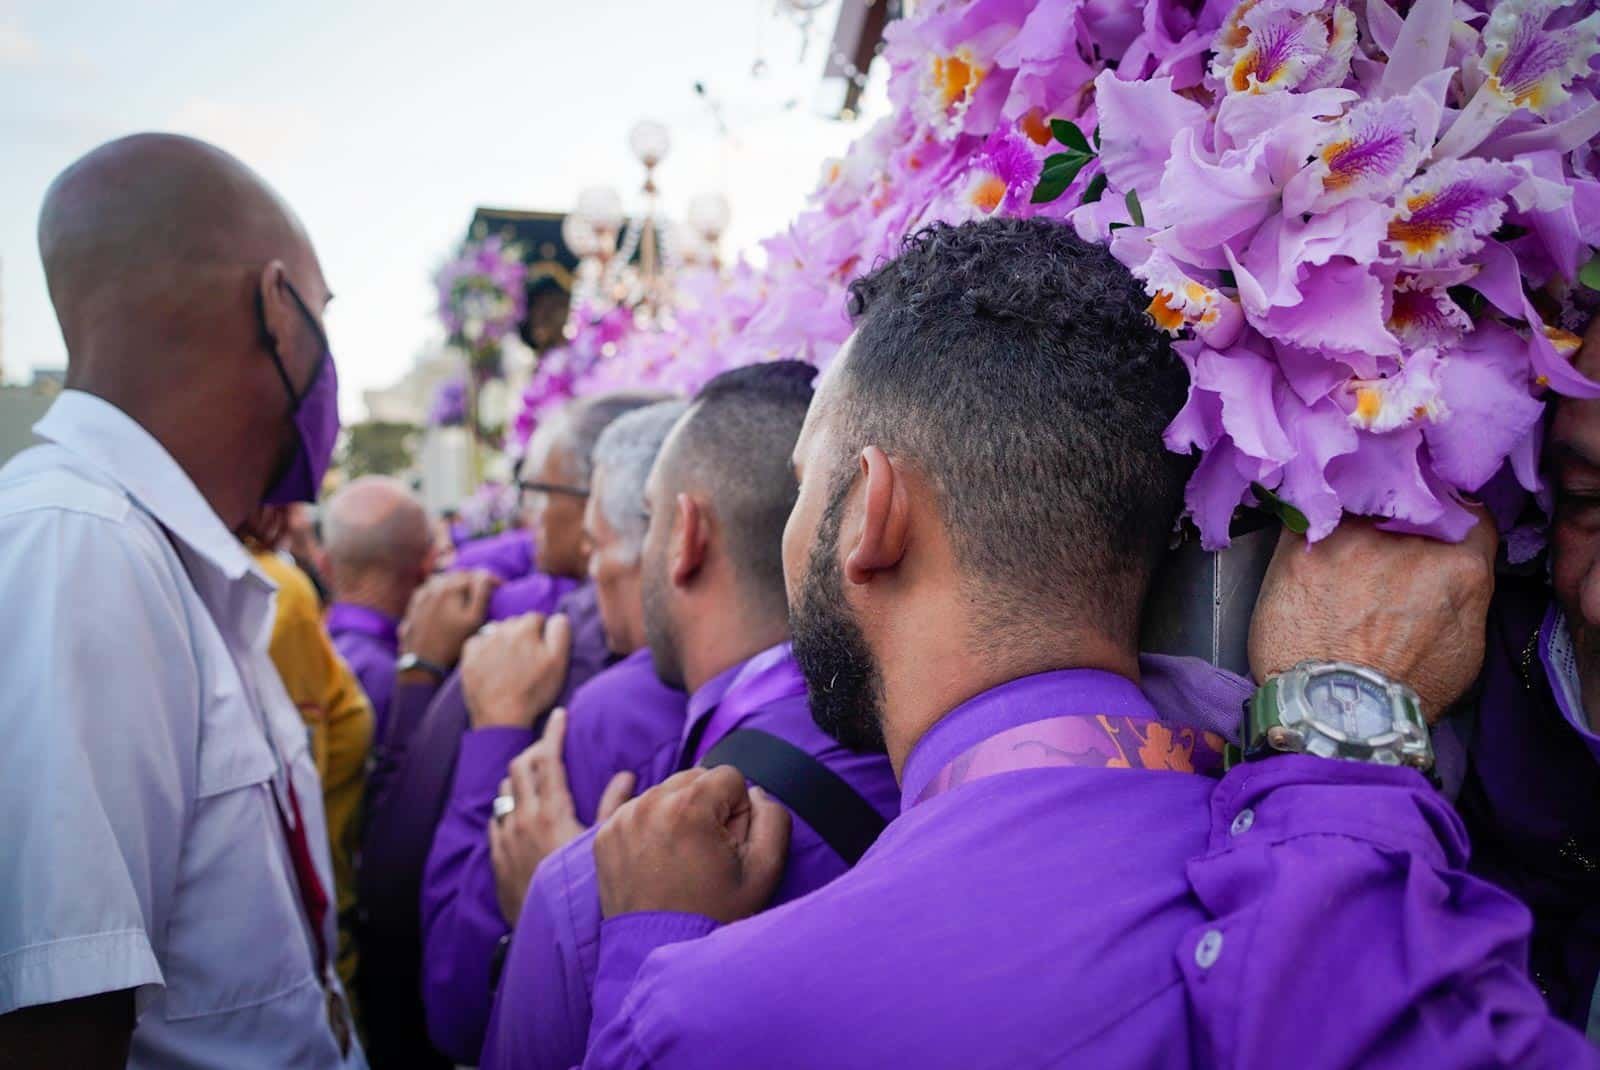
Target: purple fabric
[406,795]
[367,640]
[1531,801]
[1103,917]
[733,694]
[533,593]
[617,721]
[508,555]
[542,1010]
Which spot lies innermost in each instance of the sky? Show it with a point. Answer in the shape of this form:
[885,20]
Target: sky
[386,124]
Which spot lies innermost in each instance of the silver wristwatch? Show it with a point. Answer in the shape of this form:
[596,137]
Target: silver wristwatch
[1333,709]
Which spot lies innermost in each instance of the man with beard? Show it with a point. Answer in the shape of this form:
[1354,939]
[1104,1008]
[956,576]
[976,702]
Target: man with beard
[416,755]
[716,623]
[984,495]
[618,722]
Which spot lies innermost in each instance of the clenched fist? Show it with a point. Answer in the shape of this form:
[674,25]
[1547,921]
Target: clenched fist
[512,671]
[443,613]
[699,843]
[1410,607]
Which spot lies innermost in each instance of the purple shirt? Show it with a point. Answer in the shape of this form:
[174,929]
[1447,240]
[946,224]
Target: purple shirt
[534,593]
[620,720]
[508,555]
[366,639]
[542,1009]
[406,796]
[1105,917]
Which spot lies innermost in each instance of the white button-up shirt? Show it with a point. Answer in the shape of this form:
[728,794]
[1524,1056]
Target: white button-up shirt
[145,733]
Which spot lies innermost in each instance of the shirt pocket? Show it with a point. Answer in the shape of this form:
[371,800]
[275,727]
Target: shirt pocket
[235,938]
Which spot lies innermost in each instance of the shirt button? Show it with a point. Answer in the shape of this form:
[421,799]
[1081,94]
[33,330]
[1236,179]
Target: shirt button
[1207,950]
[1242,822]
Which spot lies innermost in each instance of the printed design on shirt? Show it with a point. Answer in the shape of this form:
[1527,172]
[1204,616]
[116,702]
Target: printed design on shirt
[1100,741]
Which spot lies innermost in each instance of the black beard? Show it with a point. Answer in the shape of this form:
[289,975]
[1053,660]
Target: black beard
[843,684]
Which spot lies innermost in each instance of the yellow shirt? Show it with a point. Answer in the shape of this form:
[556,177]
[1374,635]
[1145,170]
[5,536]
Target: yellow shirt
[340,719]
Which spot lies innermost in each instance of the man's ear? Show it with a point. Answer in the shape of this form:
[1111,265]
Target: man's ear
[690,534]
[880,544]
[279,317]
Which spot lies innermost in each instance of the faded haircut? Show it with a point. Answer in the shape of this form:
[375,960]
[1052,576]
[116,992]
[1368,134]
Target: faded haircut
[736,444]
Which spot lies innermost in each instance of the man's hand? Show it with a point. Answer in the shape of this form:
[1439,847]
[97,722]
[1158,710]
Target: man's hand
[443,613]
[700,843]
[1410,607]
[512,672]
[543,818]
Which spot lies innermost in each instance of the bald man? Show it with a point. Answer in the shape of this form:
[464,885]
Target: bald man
[379,549]
[166,870]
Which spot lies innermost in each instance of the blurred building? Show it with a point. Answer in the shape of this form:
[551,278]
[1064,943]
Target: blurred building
[21,407]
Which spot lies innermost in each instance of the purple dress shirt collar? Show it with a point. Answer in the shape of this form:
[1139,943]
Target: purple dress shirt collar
[1016,702]
[738,691]
[349,617]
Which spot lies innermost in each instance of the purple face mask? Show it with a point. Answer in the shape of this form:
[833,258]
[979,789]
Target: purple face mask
[316,424]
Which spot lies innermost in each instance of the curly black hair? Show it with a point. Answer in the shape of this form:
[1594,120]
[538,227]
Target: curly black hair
[1014,364]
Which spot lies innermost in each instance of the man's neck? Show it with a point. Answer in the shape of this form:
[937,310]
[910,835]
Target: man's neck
[936,677]
[388,598]
[718,641]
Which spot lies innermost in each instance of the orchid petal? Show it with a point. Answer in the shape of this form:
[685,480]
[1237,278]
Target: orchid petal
[1319,432]
[1384,24]
[1244,381]
[1499,279]
[1341,312]
[1484,382]
[1420,48]
[1383,477]
[1138,122]
[1446,213]
[1552,368]
[1371,154]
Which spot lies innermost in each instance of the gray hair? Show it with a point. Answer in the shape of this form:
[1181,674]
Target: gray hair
[626,450]
[577,427]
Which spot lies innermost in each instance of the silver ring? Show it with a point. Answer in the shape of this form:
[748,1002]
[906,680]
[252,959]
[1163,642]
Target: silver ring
[503,805]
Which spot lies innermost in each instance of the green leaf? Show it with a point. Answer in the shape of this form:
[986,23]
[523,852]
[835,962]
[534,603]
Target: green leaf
[1070,136]
[1114,226]
[1058,173]
[1097,186]
[1097,138]
[1226,278]
[1589,274]
[1291,518]
[1135,212]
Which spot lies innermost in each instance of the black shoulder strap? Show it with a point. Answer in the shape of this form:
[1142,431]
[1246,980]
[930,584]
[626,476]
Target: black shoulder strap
[845,821]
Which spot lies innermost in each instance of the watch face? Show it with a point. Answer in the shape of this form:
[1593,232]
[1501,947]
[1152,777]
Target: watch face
[1355,708]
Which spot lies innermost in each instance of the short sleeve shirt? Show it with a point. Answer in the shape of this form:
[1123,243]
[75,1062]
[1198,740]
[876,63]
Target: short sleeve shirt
[147,737]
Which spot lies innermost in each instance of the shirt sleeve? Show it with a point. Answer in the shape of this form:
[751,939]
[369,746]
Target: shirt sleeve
[99,713]
[461,921]
[1342,887]
[625,942]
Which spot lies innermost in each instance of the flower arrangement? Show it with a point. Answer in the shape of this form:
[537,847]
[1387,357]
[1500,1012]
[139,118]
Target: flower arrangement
[449,407]
[1370,231]
[489,510]
[1367,233]
[592,335]
[482,298]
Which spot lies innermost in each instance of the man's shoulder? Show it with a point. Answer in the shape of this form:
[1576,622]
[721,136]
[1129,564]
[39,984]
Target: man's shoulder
[47,478]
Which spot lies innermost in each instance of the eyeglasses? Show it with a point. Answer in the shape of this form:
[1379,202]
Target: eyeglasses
[531,490]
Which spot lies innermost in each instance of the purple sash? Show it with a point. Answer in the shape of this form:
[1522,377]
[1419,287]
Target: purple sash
[1096,741]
